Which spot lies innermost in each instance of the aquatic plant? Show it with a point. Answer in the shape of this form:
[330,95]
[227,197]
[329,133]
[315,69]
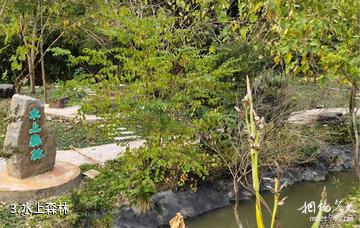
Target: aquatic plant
[320,213]
[253,126]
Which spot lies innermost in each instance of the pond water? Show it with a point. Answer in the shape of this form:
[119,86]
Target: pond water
[338,185]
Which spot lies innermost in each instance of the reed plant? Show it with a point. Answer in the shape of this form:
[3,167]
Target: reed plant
[253,126]
[320,212]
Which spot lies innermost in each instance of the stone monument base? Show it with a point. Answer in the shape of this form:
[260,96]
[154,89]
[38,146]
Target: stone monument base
[63,177]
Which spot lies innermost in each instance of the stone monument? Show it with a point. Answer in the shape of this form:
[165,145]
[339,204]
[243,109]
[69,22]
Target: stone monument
[31,171]
[32,142]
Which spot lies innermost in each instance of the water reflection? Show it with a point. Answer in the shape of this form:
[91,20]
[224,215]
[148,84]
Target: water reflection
[338,185]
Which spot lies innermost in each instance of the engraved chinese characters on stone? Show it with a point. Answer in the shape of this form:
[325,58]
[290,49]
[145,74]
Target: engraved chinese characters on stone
[34,114]
[35,141]
[31,142]
[35,129]
[37,154]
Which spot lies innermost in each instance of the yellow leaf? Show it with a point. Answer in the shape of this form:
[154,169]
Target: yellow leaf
[243,32]
[286,31]
[288,57]
[234,26]
[277,59]
[304,59]
[257,6]
[297,70]
[212,49]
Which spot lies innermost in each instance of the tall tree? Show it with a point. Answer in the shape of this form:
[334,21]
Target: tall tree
[37,25]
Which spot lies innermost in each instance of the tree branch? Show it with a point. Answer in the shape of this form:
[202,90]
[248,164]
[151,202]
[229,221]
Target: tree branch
[3,8]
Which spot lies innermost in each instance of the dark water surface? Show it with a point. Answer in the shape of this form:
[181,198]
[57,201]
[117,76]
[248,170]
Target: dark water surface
[338,185]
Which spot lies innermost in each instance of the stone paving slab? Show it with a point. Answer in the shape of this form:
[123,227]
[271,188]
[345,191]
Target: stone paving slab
[103,153]
[92,155]
[126,137]
[69,113]
[2,163]
[126,132]
[73,157]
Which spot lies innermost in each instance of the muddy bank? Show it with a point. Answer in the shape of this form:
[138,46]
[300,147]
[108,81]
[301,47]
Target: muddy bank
[214,195]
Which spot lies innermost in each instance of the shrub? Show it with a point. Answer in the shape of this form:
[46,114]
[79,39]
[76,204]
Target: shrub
[139,174]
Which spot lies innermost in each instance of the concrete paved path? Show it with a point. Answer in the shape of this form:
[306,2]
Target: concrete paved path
[92,155]
[96,154]
[68,113]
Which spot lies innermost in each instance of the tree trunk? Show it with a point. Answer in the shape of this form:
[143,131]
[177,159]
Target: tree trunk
[3,7]
[43,74]
[32,51]
[18,83]
[353,119]
[352,94]
[31,73]
[357,142]
[236,204]
[31,63]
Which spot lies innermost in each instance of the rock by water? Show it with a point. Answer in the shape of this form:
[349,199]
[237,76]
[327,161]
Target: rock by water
[218,194]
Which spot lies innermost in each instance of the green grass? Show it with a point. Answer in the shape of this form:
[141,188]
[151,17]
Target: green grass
[310,96]
[76,135]
[4,107]
[10,220]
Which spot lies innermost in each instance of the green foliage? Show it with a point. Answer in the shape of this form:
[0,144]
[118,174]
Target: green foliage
[25,25]
[154,78]
[319,38]
[85,167]
[137,175]
[60,51]
[73,89]
[335,133]
[5,76]
[7,152]
[7,219]
[169,92]
[18,58]
[163,81]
